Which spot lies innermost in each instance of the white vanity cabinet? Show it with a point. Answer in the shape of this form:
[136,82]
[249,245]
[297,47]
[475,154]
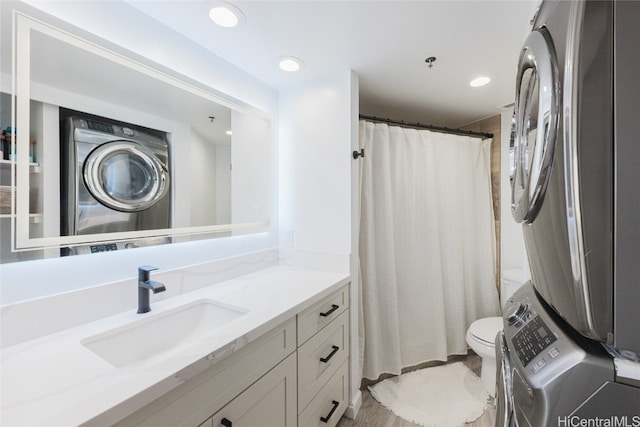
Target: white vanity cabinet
[294,375]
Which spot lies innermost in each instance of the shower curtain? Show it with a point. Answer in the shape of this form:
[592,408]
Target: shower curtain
[427,245]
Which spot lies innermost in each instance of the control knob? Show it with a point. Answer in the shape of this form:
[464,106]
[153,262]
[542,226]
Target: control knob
[515,313]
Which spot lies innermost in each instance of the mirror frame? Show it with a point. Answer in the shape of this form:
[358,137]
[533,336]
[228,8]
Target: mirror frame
[20,119]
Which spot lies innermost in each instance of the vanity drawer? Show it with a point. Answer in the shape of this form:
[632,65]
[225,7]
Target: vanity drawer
[320,357]
[327,407]
[320,314]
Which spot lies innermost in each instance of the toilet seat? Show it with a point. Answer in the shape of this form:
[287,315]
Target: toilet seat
[486,329]
[481,337]
[482,333]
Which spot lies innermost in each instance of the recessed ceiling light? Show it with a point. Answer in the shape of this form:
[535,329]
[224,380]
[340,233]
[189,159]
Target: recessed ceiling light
[229,132]
[289,63]
[480,81]
[226,15]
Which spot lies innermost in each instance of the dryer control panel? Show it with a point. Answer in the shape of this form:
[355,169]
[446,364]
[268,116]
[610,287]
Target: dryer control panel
[532,339]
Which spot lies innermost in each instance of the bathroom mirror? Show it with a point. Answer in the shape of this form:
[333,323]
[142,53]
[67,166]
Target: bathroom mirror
[211,176]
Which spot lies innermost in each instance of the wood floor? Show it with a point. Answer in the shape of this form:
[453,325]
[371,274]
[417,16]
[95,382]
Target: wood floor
[372,414]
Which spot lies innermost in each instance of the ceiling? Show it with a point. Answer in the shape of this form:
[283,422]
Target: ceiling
[384,42]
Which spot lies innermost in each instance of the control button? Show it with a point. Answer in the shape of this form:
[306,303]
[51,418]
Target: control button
[538,365]
[127,131]
[516,314]
[553,353]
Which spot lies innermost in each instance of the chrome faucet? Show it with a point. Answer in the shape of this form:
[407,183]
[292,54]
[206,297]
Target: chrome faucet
[145,285]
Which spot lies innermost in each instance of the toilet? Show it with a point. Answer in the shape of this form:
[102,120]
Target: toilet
[481,335]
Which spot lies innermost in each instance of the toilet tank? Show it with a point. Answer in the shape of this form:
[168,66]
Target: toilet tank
[512,279]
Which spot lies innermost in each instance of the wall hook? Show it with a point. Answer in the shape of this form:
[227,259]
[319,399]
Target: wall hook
[430,60]
[357,154]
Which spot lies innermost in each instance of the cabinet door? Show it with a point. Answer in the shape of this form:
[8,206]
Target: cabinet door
[271,401]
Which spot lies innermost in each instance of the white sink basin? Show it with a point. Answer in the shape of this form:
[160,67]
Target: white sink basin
[161,332]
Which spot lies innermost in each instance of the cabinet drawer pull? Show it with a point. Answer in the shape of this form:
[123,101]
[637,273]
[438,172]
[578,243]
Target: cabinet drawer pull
[335,404]
[334,350]
[226,423]
[334,307]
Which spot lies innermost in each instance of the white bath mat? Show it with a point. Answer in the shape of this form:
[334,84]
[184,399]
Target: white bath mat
[443,396]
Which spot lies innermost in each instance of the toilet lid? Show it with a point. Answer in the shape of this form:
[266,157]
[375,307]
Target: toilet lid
[486,329]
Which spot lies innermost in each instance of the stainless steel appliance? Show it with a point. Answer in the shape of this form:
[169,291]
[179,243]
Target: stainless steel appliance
[550,375]
[115,178]
[574,188]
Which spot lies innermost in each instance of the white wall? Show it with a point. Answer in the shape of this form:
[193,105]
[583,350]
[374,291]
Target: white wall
[223,184]
[125,26]
[318,182]
[202,180]
[181,154]
[315,166]
[249,165]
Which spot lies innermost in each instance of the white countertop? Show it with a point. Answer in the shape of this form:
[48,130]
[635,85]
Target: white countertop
[55,380]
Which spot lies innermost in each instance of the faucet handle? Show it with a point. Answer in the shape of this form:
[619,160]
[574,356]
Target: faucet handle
[147,268]
[143,272]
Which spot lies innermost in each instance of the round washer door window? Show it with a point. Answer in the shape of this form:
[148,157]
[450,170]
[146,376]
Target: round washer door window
[536,124]
[125,176]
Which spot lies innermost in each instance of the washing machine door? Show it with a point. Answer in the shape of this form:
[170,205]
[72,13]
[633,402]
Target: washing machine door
[536,124]
[125,176]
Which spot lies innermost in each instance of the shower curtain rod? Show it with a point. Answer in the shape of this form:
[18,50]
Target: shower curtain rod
[442,129]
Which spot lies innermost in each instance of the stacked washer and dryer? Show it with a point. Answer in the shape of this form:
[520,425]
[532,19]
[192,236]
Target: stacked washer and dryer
[569,353]
[114,178]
